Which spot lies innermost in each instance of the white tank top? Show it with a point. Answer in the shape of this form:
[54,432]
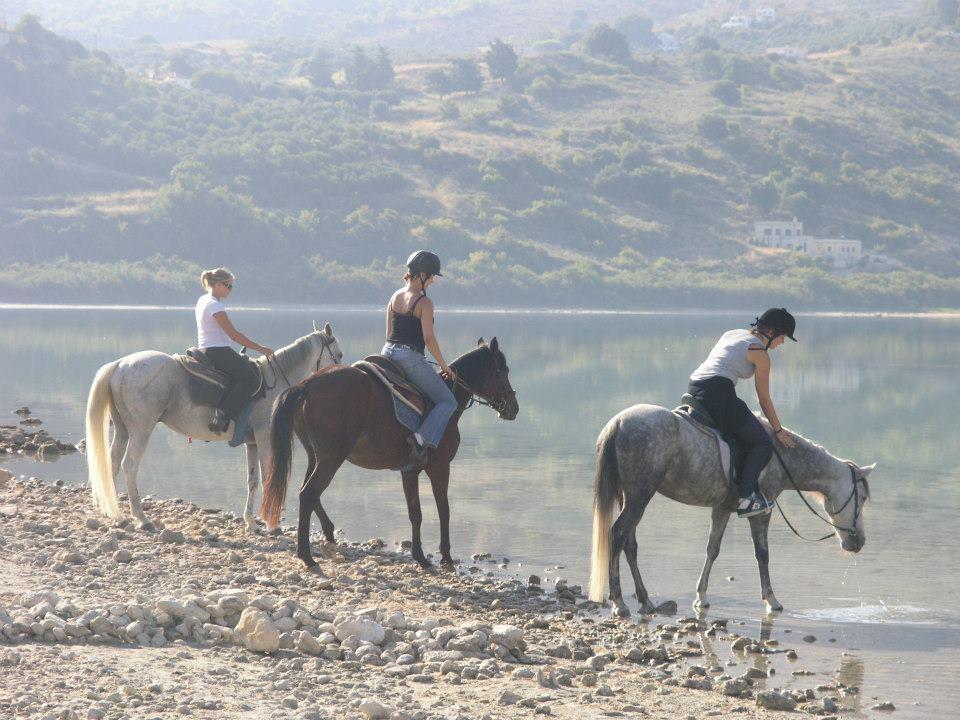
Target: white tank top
[729,357]
[209,332]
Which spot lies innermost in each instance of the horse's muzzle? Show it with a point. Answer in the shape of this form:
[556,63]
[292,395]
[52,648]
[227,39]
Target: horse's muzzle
[852,543]
[510,410]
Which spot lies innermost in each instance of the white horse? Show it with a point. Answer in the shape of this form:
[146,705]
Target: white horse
[647,449]
[140,390]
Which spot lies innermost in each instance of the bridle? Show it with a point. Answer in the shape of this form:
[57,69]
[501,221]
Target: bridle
[855,478]
[502,397]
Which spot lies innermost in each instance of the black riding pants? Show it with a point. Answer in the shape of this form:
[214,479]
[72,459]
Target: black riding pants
[734,419]
[243,377]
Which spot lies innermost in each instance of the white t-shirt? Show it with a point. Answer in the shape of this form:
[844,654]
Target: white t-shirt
[209,332]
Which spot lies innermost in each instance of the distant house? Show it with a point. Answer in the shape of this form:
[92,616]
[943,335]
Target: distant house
[766,15]
[668,43]
[737,21]
[788,235]
[788,51]
[169,77]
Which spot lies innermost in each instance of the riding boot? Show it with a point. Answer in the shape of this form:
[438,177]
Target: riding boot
[220,422]
[243,420]
[418,452]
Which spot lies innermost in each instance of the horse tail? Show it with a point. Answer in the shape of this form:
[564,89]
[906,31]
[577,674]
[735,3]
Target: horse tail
[281,450]
[99,467]
[606,493]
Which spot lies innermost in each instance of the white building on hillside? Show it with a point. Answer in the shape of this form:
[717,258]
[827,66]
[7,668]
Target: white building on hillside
[668,43]
[779,233]
[737,21]
[788,235]
[788,51]
[766,15]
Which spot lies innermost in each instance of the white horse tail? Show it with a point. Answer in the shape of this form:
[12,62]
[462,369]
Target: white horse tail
[99,470]
[606,493]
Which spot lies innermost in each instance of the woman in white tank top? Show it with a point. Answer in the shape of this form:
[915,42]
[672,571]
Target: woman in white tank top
[739,355]
[215,332]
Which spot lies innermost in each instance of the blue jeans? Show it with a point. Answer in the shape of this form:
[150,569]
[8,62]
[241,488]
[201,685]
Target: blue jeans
[419,372]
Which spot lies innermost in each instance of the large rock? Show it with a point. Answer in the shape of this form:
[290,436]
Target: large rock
[773,700]
[374,710]
[507,635]
[365,630]
[257,632]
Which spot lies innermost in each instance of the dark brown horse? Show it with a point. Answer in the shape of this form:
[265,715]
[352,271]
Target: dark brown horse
[342,413]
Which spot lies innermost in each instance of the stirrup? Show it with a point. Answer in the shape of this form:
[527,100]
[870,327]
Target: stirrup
[220,422]
[240,429]
[756,504]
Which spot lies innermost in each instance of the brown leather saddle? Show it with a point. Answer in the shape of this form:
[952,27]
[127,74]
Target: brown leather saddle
[208,385]
[393,378]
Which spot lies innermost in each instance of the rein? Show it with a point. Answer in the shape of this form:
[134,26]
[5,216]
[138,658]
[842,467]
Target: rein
[278,368]
[854,495]
[476,398]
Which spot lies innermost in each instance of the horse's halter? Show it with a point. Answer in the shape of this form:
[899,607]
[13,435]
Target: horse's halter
[325,342]
[501,398]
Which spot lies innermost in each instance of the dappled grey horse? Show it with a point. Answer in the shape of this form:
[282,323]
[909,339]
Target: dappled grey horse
[648,449]
[140,390]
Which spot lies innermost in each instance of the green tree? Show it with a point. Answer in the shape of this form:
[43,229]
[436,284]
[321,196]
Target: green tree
[501,60]
[317,70]
[948,10]
[604,42]
[638,29]
[439,82]
[466,76]
[726,92]
[366,73]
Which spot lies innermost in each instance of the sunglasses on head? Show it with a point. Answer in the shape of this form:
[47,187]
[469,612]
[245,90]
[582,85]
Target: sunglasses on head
[227,285]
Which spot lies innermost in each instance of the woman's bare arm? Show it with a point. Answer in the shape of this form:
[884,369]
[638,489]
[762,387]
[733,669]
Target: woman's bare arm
[761,361]
[429,338]
[237,336]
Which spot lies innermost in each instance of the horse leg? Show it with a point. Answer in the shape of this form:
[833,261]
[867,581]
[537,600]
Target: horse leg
[758,529]
[623,529]
[411,490]
[253,480]
[630,551]
[440,480]
[313,486]
[325,522]
[130,464]
[118,445]
[718,523]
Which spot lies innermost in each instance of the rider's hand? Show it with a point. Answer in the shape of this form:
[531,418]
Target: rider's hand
[447,374]
[785,439]
[268,352]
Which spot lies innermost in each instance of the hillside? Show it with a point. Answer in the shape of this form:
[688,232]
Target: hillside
[579,180]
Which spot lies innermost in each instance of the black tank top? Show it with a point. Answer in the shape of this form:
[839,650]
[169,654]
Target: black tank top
[408,330]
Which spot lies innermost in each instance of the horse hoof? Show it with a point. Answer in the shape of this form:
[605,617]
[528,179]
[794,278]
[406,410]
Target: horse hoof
[774,607]
[148,527]
[315,570]
[275,532]
[621,610]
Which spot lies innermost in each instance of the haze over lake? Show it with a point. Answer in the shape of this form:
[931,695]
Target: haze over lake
[873,389]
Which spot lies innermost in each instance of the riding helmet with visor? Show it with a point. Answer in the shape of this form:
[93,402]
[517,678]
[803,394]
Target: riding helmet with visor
[779,321]
[424,261]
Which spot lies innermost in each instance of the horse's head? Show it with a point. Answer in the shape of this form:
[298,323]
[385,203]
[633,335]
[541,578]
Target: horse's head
[327,349]
[845,503]
[494,383]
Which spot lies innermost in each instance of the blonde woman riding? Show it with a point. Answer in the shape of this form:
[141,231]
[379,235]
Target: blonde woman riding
[214,335]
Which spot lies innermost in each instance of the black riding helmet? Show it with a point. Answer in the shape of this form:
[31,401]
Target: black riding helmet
[778,320]
[424,261]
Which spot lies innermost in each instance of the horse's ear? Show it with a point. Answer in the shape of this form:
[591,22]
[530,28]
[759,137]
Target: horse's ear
[328,330]
[480,342]
[315,328]
[867,469]
[494,345]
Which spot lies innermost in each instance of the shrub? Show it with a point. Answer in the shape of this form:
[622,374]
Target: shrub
[726,92]
[603,41]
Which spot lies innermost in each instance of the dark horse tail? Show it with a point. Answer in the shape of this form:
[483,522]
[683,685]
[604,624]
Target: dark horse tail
[606,493]
[275,483]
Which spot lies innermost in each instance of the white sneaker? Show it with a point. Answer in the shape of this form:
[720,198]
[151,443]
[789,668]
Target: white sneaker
[756,504]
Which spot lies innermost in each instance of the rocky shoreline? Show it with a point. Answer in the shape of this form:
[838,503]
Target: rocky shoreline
[18,440]
[99,620]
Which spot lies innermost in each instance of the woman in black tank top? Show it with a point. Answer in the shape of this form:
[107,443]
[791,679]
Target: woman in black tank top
[409,334]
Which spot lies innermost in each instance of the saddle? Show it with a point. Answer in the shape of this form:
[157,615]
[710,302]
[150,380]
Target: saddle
[208,385]
[395,381]
[732,452]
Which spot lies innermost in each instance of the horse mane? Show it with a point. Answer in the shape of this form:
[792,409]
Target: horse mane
[471,363]
[290,355]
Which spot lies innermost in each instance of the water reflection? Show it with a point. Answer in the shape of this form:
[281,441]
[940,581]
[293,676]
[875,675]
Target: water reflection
[871,389]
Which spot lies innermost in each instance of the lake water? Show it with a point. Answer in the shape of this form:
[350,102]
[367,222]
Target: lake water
[874,389]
